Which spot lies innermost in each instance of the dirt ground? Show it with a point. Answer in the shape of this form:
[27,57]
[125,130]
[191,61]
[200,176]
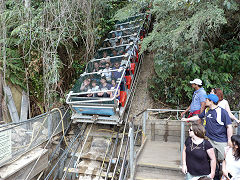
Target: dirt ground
[142,99]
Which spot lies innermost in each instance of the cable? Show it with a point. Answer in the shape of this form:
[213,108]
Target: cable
[51,156]
[66,169]
[46,145]
[64,153]
[109,143]
[75,165]
[34,138]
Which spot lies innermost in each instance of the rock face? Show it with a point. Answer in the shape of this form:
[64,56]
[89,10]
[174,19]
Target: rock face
[23,139]
[17,98]
[19,138]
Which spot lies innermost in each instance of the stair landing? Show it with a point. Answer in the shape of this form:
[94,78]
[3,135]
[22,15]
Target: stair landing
[159,160]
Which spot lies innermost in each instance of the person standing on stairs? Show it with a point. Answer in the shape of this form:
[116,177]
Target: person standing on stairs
[231,163]
[218,127]
[198,100]
[196,154]
[223,103]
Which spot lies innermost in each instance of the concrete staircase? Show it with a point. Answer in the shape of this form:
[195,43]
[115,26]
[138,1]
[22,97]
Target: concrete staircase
[160,160]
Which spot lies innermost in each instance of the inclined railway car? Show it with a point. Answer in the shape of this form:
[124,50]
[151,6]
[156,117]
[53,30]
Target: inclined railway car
[102,92]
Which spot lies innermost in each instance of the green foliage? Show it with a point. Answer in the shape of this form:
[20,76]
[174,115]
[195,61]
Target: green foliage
[15,72]
[79,68]
[133,7]
[188,42]
[49,39]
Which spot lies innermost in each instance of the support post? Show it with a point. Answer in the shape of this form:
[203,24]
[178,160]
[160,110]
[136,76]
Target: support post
[145,116]
[152,131]
[182,137]
[50,124]
[131,134]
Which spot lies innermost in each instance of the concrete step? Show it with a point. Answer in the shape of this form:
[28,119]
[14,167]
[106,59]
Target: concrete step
[149,171]
[159,160]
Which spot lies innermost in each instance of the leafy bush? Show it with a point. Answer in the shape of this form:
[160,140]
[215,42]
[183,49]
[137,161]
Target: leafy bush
[189,41]
[48,44]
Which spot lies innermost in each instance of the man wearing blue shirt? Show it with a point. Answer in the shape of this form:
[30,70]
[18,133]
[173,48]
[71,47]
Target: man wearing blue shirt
[198,100]
[218,125]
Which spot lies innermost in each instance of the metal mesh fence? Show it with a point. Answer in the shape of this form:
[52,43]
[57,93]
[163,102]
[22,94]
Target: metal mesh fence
[18,138]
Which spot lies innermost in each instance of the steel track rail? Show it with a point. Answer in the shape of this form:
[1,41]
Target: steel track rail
[66,170]
[62,159]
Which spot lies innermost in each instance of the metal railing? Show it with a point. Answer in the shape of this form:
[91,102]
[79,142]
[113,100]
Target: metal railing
[24,136]
[173,115]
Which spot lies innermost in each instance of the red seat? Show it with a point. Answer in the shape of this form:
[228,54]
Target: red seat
[123,98]
[128,81]
[133,67]
[136,55]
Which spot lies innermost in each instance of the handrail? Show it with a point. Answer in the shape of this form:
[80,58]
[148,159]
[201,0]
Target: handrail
[113,47]
[120,37]
[130,22]
[125,29]
[145,112]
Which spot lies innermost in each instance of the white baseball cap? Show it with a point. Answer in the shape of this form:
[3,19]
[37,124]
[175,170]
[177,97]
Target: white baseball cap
[196,81]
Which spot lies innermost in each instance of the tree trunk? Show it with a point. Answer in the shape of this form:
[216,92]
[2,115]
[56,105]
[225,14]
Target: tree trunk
[27,3]
[3,54]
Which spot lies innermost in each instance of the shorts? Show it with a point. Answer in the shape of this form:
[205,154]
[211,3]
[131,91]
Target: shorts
[219,149]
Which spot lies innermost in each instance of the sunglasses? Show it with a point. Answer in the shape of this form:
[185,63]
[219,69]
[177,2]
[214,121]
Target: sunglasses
[190,130]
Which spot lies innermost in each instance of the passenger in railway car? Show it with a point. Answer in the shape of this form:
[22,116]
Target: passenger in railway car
[114,52]
[105,44]
[102,64]
[113,40]
[198,156]
[96,67]
[103,87]
[116,74]
[105,54]
[121,48]
[107,73]
[115,85]
[223,103]
[124,61]
[124,40]
[119,33]
[85,86]
[103,61]
[129,47]
[94,88]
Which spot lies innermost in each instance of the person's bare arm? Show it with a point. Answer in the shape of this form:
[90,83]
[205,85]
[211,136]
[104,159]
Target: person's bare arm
[224,169]
[193,118]
[212,157]
[203,104]
[229,133]
[184,112]
[184,165]
[230,113]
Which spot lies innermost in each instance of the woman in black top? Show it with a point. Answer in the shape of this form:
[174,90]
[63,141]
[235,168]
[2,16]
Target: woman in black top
[198,154]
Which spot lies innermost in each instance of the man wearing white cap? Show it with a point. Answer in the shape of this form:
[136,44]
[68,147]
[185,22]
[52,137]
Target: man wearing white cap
[198,100]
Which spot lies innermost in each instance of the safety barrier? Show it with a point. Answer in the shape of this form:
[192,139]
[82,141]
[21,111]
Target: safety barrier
[18,138]
[171,115]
